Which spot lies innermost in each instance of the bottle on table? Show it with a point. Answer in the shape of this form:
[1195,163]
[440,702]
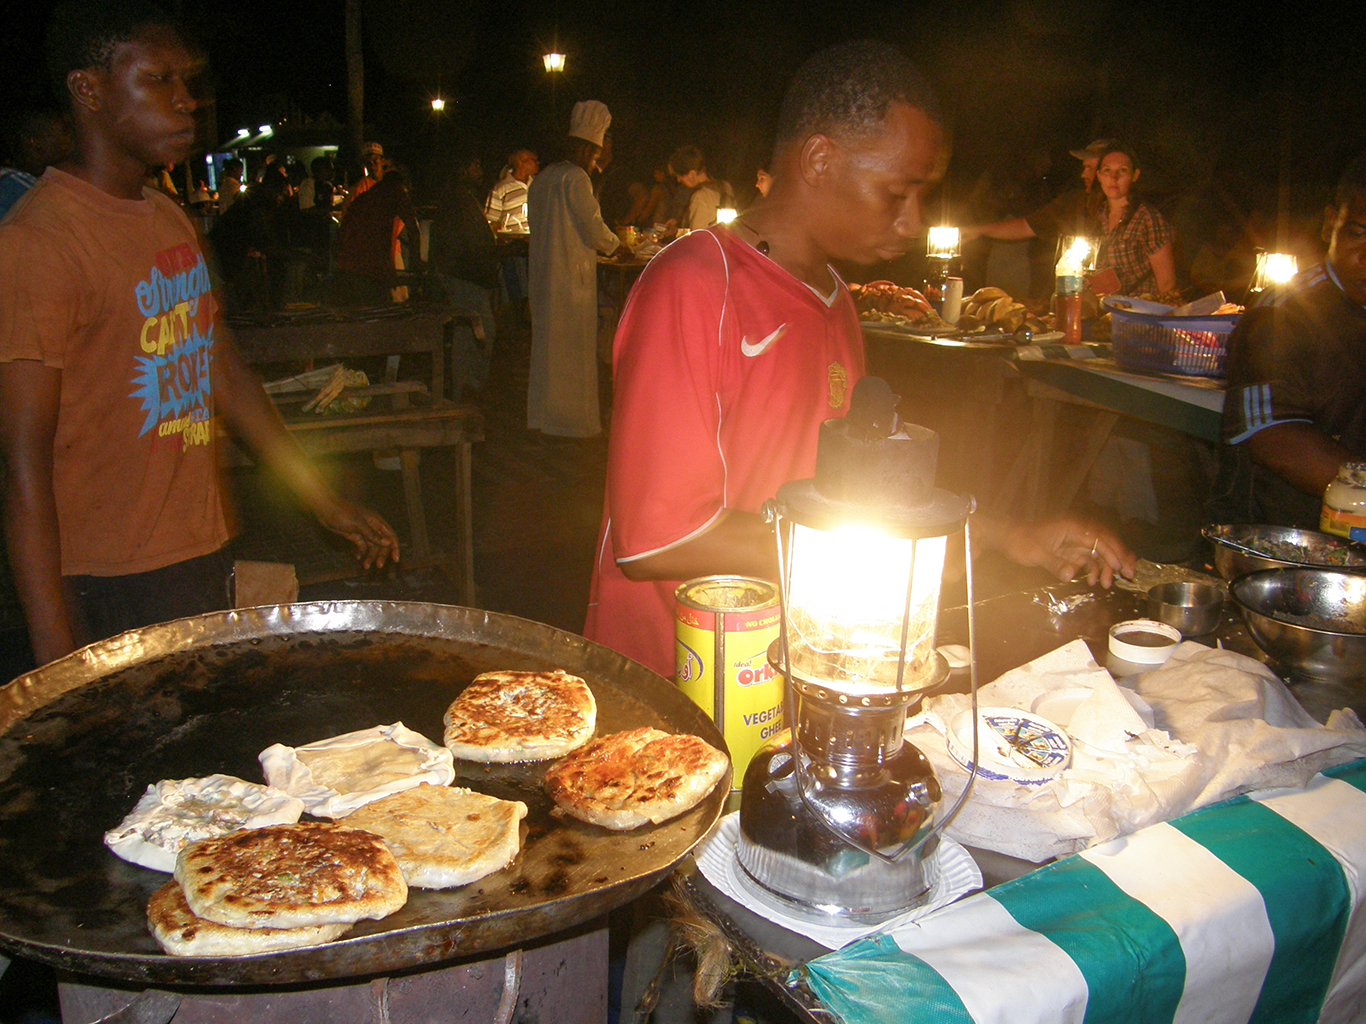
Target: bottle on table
[1344,503]
[1067,302]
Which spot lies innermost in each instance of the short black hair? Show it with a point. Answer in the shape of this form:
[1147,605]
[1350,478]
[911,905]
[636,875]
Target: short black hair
[1352,183]
[83,33]
[686,159]
[847,89]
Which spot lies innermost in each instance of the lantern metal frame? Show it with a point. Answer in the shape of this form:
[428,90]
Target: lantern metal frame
[946,514]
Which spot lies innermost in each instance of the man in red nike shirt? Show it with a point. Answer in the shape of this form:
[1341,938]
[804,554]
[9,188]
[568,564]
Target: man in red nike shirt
[737,343]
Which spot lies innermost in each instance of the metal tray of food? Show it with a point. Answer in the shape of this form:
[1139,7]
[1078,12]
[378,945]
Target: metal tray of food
[1243,549]
[81,738]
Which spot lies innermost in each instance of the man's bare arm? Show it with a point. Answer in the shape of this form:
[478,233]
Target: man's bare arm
[740,543]
[1015,230]
[250,414]
[1300,454]
[29,400]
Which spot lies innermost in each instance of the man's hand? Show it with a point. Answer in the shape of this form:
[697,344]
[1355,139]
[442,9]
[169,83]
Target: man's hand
[238,396]
[1065,547]
[376,544]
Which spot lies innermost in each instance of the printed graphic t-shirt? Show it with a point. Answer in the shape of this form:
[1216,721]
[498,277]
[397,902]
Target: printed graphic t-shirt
[115,293]
[724,367]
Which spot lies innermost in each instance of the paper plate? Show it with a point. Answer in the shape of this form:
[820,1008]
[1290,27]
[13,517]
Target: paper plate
[1015,746]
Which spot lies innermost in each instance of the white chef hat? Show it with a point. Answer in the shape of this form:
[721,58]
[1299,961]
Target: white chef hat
[589,120]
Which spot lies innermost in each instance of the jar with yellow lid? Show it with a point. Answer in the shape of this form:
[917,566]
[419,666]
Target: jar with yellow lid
[1344,503]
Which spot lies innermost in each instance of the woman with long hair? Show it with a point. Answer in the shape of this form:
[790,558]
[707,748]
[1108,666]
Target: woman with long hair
[1136,240]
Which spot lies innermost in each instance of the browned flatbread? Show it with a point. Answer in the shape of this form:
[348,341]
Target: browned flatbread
[520,716]
[180,933]
[443,836]
[630,778]
[291,876]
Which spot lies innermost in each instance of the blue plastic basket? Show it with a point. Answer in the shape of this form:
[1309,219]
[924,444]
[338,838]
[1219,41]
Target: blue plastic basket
[1143,338]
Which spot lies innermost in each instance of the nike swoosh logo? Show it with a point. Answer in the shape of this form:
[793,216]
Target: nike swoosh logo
[759,348]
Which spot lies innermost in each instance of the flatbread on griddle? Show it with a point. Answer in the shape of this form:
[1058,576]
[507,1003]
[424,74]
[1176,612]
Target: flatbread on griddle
[520,716]
[632,778]
[291,876]
[180,933]
[443,836]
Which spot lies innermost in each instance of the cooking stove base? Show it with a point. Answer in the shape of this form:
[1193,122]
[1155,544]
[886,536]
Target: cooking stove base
[564,981]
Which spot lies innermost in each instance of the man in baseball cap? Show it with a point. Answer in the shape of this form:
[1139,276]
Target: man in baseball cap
[1090,159]
[1068,214]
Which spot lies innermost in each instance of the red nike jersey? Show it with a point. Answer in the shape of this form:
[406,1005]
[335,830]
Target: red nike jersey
[724,367]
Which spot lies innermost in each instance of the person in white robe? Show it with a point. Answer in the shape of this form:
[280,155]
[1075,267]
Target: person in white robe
[567,233]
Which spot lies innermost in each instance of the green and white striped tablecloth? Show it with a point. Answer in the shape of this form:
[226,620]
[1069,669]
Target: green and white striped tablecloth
[1245,911]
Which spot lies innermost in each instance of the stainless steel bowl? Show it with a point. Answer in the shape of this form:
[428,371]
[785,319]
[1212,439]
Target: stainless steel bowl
[1299,618]
[1243,549]
[1193,608]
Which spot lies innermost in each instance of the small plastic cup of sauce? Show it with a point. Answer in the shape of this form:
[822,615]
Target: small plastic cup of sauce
[1143,641]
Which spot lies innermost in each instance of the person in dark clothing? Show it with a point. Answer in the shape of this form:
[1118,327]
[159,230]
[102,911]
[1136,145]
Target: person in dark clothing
[464,256]
[1296,404]
[366,241]
[247,237]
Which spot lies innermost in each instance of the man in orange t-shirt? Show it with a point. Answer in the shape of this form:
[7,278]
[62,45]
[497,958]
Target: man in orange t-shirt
[114,363]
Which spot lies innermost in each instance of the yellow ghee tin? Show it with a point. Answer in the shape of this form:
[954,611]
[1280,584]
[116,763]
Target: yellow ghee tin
[724,626]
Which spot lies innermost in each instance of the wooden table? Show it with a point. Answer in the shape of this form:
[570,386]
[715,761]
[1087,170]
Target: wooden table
[405,415]
[437,425]
[347,334]
[1035,483]
[1000,417]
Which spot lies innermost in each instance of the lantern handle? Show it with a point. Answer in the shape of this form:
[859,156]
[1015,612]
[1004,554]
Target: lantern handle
[972,665]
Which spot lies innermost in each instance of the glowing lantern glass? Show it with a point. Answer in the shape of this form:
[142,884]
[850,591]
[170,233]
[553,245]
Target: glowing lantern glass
[553,61]
[1273,270]
[847,604]
[942,243]
[1078,249]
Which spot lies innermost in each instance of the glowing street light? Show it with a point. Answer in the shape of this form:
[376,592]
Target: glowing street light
[438,104]
[266,130]
[553,61]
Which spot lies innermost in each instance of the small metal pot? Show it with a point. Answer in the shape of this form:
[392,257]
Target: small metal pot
[1193,608]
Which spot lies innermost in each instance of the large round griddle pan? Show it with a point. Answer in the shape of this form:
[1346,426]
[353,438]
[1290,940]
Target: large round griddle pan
[81,738]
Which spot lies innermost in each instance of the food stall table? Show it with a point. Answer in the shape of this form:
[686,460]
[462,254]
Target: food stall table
[1237,911]
[1189,405]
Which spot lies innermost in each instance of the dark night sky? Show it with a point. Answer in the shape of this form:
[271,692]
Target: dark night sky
[1224,101]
